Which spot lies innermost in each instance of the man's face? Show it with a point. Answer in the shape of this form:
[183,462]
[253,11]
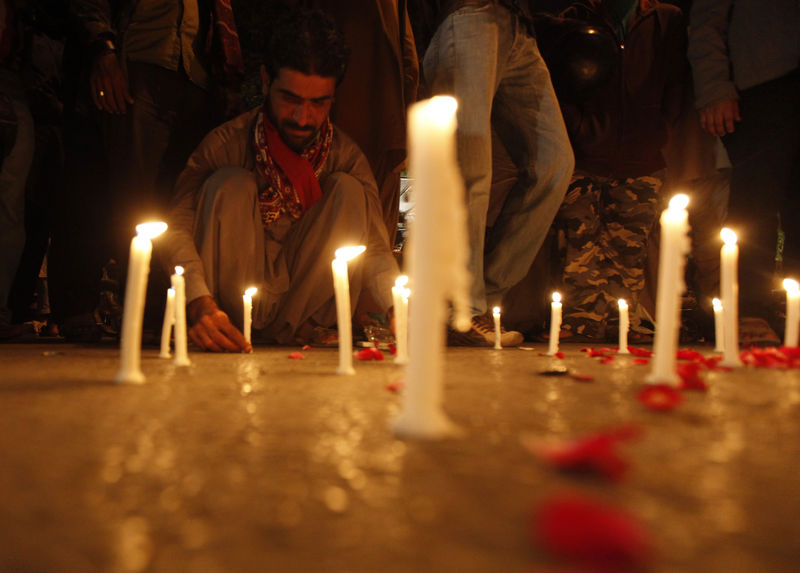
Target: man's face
[298,104]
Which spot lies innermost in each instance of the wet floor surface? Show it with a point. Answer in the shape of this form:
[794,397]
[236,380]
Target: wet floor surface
[246,463]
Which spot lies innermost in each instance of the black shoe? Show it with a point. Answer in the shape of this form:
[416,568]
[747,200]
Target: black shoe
[482,334]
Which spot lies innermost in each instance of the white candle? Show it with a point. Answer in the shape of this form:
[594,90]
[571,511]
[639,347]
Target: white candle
[673,249]
[792,312]
[496,316]
[169,320]
[247,301]
[624,325]
[341,289]
[130,371]
[181,341]
[729,287]
[555,324]
[437,253]
[719,326]
[400,295]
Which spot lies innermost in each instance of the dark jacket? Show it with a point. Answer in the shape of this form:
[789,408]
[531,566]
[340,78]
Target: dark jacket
[621,130]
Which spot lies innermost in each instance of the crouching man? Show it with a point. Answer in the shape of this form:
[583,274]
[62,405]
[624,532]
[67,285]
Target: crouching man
[267,198]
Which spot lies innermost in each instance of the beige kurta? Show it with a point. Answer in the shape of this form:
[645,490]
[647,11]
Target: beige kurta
[296,255]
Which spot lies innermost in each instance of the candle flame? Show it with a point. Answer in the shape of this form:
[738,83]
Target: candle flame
[728,236]
[556,297]
[405,293]
[442,108]
[622,303]
[496,311]
[347,253]
[150,230]
[251,291]
[179,270]
[401,281]
[717,304]
[679,202]
[170,291]
[791,285]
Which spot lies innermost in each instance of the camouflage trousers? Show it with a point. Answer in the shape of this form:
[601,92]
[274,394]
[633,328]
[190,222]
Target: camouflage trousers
[604,224]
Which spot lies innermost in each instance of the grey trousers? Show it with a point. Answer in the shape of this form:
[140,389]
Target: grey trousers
[289,261]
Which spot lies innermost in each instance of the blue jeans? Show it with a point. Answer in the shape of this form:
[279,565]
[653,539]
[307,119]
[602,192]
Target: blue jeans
[14,169]
[485,58]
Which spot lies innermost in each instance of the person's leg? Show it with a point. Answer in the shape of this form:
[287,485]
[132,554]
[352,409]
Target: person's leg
[462,60]
[339,219]
[229,236]
[13,175]
[528,120]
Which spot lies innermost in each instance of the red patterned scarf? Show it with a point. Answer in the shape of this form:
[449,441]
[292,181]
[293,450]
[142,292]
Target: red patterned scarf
[292,184]
[223,46]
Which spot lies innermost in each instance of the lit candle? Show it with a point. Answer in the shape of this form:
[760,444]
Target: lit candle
[719,326]
[729,287]
[673,249]
[247,299]
[555,323]
[400,295]
[792,311]
[496,316]
[624,324]
[130,371]
[169,320]
[437,253]
[181,342]
[341,289]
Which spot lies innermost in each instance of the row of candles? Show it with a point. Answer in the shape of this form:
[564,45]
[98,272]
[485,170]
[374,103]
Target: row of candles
[440,279]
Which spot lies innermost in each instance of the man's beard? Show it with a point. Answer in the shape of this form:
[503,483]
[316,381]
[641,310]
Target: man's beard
[297,142]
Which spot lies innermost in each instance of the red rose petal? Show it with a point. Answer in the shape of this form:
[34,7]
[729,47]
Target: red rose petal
[690,377]
[559,355]
[395,386]
[641,352]
[659,397]
[306,347]
[583,377]
[686,354]
[296,356]
[640,361]
[369,354]
[607,360]
[592,533]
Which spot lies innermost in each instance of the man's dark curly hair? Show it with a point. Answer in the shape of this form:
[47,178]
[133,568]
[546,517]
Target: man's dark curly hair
[309,42]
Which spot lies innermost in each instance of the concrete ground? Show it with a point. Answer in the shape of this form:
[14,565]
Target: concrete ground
[251,463]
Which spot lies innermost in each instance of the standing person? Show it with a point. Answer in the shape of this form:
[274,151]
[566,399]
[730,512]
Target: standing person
[161,75]
[268,197]
[744,56]
[16,155]
[483,52]
[618,132]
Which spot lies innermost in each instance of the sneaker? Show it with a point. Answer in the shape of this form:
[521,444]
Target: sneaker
[482,334]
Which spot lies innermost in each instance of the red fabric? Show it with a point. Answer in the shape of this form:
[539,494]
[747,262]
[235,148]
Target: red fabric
[223,45]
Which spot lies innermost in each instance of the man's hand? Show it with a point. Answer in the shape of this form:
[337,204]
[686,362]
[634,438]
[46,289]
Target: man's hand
[211,329]
[108,84]
[718,118]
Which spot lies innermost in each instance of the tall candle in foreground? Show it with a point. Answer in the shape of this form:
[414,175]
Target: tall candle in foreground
[181,341]
[719,326]
[673,249]
[341,289]
[729,287]
[555,324]
[792,312]
[169,321]
[247,302]
[624,325]
[130,371]
[437,255]
[496,316]
[400,295]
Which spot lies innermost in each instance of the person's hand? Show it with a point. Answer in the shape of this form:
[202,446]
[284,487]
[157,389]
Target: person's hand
[718,118]
[211,329]
[108,84]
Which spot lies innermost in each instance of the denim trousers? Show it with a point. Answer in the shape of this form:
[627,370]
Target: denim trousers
[14,169]
[484,56]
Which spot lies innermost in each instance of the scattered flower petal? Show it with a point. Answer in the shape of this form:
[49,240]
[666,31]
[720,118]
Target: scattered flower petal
[583,377]
[687,354]
[369,354]
[690,376]
[296,356]
[395,386]
[640,361]
[595,453]
[607,360]
[659,397]
[592,533]
[306,347]
[393,349]
[773,358]
[560,355]
[641,352]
